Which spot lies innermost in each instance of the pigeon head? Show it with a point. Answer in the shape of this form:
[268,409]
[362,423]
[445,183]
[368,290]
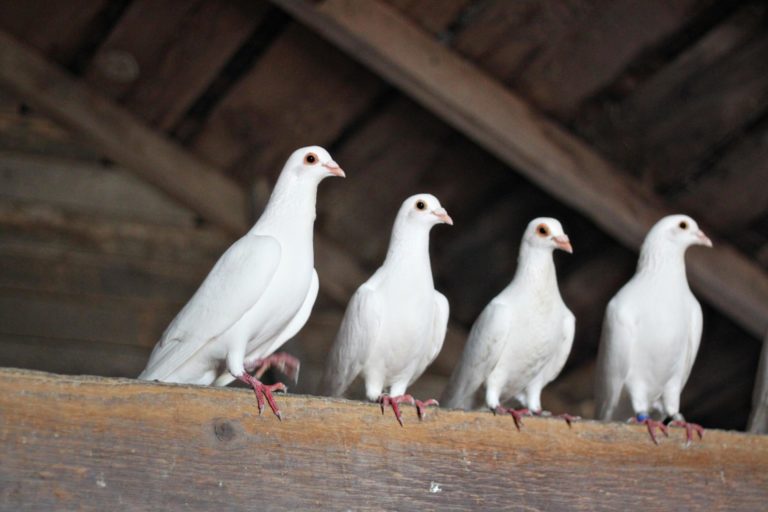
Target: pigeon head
[425,210]
[312,163]
[547,233]
[680,231]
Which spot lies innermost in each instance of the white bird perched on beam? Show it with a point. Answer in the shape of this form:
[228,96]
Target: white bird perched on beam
[395,323]
[651,333]
[258,295]
[521,340]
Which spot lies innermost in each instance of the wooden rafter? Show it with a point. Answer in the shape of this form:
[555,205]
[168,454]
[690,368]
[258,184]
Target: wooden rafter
[508,127]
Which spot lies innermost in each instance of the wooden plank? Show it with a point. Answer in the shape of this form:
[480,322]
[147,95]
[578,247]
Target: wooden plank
[32,267]
[434,15]
[72,357]
[62,232]
[704,97]
[118,134]
[88,187]
[54,28]
[74,317]
[162,54]
[558,53]
[269,113]
[93,443]
[24,130]
[506,126]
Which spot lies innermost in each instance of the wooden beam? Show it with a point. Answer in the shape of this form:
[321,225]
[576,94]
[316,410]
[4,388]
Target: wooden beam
[505,125]
[177,50]
[559,53]
[121,136]
[69,442]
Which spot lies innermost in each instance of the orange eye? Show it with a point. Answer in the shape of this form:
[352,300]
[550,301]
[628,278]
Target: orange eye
[310,159]
[683,224]
[420,205]
[542,230]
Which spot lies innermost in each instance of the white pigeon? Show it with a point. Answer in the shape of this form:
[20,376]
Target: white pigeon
[758,418]
[651,332]
[521,340]
[395,323]
[258,295]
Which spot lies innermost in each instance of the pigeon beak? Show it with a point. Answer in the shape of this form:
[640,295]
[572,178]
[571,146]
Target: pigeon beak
[564,243]
[703,239]
[334,169]
[442,214]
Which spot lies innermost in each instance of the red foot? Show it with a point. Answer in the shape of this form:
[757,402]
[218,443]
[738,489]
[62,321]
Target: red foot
[565,416]
[421,407]
[264,392]
[652,426]
[517,414]
[395,402]
[690,428]
[286,363]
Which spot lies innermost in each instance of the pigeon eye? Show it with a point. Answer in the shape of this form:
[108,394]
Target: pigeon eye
[310,158]
[542,230]
[420,205]
[683,224]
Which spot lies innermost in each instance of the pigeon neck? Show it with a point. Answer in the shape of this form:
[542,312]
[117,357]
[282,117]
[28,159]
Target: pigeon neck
[661,261]
[409,247]
[291,207]
[535,265]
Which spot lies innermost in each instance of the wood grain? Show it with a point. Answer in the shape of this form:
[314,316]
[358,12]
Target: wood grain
[94,444]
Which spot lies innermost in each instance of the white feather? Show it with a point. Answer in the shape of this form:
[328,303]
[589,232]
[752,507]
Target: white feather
[260,292]
[521,340]
[395,323]
[652,329]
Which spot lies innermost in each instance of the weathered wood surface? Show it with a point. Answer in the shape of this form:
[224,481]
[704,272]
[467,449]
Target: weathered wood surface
[509,128]
[90,443]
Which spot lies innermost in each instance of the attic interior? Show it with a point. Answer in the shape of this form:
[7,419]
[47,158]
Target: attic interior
[96,259]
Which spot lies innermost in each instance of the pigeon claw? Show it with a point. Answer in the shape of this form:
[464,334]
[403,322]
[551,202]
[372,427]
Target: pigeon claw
[264,392]
[565,417]
[517,414]
[394,402]
[568,418]
[422,406]
[285,363]
[652,425]
[690,428]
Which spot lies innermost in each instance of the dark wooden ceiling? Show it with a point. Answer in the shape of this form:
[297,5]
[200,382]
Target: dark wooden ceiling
[675,92]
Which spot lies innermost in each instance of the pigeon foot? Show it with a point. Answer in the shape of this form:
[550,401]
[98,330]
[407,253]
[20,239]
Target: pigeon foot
[690,428]
[565,417]
[285,363]
[652,425]
[395,401]
[264,392]
[517,414]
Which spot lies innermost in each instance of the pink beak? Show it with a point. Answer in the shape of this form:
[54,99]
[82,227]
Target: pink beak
[564,243]
[703,239]
[334,169]
[442,214]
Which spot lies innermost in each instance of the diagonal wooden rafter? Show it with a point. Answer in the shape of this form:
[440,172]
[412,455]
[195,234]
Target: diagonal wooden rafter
[501,122]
